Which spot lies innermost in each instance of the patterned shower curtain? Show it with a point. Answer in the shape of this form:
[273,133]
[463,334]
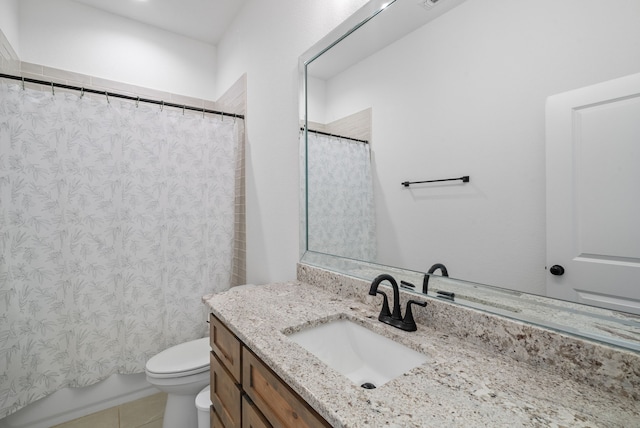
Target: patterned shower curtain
[115,220]
[341,211]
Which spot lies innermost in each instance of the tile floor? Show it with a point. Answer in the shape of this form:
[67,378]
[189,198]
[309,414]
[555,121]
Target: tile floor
[146,412]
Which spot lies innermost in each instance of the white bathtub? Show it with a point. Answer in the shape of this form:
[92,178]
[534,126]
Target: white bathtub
[72,403]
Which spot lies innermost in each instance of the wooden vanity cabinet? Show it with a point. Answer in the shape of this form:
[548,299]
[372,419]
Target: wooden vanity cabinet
[225,394]
[275,399]
[215,420]
[245,393]
[226,347]
[251,416]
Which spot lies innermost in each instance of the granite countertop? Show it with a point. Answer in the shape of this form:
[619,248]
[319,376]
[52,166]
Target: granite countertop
[608,326]
[460,385]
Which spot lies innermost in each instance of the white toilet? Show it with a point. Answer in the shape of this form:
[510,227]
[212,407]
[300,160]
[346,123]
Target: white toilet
[203,404]
[181,371]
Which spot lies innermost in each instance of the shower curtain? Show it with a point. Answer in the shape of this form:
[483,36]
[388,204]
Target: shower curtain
[115,220]
[341,211]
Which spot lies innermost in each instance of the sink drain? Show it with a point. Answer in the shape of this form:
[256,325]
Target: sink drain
[368,385]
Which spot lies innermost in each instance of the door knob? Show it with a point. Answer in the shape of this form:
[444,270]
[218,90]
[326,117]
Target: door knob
[556,270]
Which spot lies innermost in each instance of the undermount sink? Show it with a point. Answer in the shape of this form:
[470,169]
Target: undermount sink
[366,358]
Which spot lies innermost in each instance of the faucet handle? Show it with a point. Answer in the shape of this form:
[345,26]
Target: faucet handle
[384,312]
[408,321]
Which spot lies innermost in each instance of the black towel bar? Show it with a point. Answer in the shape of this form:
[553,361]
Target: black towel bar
[464,179]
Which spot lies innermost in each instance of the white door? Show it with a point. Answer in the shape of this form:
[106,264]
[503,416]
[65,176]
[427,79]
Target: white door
[593,195]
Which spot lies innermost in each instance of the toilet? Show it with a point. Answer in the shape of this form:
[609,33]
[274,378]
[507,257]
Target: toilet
[181,371]
[203,404]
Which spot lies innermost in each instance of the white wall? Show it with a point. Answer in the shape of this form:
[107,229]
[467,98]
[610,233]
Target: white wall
[316,102]
[465,95]
[71,36]
[9,22]
[265,41]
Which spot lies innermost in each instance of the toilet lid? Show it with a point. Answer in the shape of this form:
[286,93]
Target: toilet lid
[183,359]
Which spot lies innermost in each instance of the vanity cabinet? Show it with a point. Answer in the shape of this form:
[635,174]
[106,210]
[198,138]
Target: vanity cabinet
[246,393]
[251,416]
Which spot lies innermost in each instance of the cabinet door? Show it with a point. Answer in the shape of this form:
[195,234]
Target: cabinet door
[278,403]
[251,416]
[225,394]
[226,346]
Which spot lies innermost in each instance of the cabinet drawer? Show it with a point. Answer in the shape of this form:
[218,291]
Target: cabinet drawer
[215,420]
[280,405]
[251,416]
[225,394]
[226,346]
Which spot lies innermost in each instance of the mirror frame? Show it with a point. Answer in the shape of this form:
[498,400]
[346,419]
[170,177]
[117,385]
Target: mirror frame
[574,318]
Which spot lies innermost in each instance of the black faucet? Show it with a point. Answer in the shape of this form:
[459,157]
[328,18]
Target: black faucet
[394,318]
[425,280]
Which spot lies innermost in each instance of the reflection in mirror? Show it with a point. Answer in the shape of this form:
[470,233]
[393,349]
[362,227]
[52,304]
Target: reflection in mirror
[612,327]
[462,88]
[341,208]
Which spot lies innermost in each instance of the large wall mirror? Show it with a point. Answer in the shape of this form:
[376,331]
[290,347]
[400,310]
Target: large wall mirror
[413,91]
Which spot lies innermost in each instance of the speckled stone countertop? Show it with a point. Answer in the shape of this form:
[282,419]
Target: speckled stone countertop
[604,325]
[461,384]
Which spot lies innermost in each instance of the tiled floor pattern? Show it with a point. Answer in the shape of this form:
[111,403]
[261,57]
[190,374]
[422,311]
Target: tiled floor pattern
[146,412]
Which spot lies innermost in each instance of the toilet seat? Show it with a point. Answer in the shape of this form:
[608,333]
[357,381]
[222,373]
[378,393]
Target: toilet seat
[185,359]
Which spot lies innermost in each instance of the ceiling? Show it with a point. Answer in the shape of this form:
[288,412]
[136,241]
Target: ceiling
[204,20]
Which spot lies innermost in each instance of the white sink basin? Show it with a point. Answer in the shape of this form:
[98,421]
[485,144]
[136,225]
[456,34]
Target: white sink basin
[357,352]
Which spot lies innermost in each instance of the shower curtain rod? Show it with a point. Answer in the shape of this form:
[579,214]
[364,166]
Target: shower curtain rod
[335,135]
[117,95]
